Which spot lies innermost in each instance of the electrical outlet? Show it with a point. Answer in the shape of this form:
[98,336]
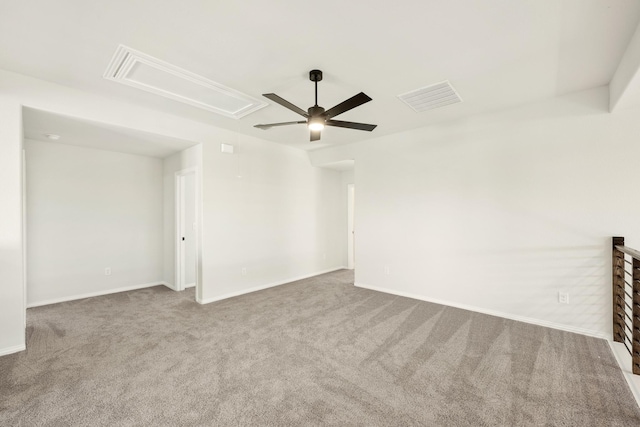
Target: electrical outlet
[244,271]
[563,297]
[387,270]
[107,271]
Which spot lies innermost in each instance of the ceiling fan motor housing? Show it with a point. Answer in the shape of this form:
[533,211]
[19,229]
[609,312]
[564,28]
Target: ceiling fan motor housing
[315,111]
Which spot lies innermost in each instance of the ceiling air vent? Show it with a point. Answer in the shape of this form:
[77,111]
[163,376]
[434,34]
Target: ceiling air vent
[430,97]
[139,70]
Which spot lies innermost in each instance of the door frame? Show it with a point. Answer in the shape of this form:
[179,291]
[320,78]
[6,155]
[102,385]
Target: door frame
[179,199]
[24,232]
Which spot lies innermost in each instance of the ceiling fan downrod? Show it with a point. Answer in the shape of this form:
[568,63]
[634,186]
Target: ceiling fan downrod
[315,76]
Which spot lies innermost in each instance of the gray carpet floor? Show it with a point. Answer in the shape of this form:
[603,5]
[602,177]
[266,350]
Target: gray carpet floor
[314,352]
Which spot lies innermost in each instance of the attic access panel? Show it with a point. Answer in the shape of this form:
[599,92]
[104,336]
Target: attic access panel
[142,71]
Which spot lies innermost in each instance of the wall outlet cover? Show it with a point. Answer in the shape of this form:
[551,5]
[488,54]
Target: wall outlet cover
[563,297]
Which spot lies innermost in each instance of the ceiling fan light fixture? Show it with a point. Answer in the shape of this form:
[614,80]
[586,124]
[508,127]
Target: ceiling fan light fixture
[316,123]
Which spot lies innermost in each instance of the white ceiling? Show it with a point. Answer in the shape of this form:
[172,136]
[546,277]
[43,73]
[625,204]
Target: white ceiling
[101,136]
[495,53]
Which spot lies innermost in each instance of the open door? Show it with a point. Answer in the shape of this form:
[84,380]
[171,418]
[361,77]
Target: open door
[351,246]
[186,229]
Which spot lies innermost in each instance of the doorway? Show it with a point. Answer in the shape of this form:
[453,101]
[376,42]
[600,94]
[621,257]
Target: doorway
[186,228]
[351,247]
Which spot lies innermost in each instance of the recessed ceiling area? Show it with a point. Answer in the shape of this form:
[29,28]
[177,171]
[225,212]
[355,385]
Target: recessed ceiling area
[38,124]
[497,54]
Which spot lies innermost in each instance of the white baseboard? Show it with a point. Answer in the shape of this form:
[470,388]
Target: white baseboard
[190,285]
[95,294]
[13,349]
[524,319]
[168,285]
[268,285]
[624,360]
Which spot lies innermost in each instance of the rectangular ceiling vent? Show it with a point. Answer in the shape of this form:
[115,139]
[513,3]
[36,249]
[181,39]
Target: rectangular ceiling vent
[139,70]
[430,97]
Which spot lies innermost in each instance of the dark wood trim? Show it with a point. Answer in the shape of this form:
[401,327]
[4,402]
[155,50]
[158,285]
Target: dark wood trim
[617,267]
[634,253]
[635,348]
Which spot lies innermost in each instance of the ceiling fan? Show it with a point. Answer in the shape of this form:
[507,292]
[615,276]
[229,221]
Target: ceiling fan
[316,117]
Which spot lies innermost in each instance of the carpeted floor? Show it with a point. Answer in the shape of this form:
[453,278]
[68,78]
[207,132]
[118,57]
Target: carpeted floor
[315,352]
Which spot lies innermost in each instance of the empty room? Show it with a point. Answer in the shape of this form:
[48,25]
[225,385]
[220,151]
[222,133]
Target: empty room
[348,213]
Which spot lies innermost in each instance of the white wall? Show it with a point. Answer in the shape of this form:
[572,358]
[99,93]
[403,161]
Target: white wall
[191,157]
[347,177]
[500,212]
[624,87]
[267,210]
[279,222]
[88,210]
[12,313]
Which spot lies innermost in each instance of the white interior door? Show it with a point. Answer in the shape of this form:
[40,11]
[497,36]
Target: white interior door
[186,229]
[351,241]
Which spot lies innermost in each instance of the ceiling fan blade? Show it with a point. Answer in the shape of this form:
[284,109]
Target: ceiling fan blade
[270,125]
[350,125]
[347,105]
[286,104]
[315,135]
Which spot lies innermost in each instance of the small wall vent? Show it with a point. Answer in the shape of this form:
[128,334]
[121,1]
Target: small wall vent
[139,70]
[430,97]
